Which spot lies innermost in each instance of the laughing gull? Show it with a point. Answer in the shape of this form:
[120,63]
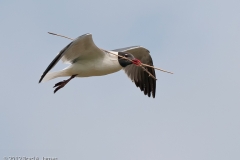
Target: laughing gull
[87,60]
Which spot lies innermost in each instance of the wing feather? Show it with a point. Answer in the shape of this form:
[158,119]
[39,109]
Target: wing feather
[82,47]
[137,74]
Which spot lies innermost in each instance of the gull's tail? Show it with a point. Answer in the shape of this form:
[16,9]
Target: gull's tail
[53,75]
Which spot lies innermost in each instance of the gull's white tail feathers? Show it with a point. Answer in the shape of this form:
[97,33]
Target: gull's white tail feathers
[53,75]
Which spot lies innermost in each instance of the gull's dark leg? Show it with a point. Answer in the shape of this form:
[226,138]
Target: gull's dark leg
[61,84]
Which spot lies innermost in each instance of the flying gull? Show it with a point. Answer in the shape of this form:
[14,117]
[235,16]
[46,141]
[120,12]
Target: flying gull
[87,60]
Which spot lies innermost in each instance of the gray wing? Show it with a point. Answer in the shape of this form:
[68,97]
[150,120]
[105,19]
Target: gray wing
[80,48]
[137,74]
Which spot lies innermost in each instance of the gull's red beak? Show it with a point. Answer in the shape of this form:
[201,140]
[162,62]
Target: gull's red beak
[137,62]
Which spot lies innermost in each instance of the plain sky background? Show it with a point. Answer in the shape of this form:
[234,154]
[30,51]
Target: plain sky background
[195,115]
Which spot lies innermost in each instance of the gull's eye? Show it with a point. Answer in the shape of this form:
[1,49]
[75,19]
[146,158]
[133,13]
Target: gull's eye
[126,55]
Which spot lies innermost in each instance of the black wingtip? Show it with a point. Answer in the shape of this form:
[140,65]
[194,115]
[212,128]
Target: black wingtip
[40,80]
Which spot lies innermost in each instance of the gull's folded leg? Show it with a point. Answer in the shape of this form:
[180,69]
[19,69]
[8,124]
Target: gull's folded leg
[61,84]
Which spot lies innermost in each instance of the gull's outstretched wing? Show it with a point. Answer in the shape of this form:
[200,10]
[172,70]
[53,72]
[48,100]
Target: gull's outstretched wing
[142,80]
[82,47]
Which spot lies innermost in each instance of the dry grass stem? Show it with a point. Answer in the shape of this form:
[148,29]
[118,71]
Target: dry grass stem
[142,64]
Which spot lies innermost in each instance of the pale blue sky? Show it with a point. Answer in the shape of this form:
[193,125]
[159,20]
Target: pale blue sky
[195,114]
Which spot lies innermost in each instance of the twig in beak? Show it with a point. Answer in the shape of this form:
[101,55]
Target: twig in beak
[148,72]
[59,35]
[156,68]
[135,61]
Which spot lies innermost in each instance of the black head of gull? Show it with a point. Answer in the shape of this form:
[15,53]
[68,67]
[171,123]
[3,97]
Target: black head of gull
[125,62]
